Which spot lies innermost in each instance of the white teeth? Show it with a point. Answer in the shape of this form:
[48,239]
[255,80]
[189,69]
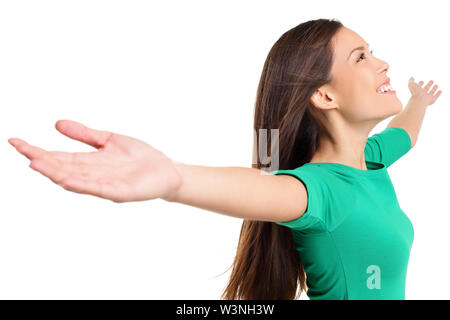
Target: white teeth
[385,88]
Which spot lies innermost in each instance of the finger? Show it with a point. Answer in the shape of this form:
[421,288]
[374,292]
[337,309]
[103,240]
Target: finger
[420,83]
[49,168]
[29,151]
[74,158]
[437,95]
[78,131]
[433,90]
[33,152]
[427,87]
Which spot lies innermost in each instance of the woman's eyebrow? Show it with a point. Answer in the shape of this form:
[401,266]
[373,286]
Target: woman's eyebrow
[357,48]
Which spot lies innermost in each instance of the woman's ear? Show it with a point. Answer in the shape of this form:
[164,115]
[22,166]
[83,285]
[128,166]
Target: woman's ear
[322,99]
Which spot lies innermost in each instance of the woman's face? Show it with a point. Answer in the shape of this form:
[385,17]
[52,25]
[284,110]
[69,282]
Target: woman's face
[357,74]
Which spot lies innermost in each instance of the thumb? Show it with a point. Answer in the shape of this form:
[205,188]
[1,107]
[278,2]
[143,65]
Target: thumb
[80,132]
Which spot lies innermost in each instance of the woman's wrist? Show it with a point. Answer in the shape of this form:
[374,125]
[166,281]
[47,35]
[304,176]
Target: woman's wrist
[174,183]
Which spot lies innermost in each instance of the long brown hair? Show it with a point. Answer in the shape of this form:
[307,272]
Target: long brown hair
[267,265]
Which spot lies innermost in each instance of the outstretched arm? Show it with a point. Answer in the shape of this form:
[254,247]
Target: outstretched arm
[126,169]
[411,118]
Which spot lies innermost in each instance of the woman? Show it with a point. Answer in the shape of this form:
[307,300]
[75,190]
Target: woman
[330,210]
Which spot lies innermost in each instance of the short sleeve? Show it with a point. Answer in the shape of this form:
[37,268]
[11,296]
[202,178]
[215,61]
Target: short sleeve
[312,220]
[387,146]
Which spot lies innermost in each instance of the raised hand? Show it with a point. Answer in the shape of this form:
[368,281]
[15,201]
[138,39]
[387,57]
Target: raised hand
[122,169]
[421,93]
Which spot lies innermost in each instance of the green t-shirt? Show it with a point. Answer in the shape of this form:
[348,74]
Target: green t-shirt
[354,240]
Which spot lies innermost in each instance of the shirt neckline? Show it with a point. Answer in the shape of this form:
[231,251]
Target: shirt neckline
[373,167]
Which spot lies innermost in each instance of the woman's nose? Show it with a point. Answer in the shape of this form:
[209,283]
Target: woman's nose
[384,67]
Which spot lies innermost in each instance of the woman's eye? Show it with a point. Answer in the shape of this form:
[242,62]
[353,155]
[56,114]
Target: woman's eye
[362,55]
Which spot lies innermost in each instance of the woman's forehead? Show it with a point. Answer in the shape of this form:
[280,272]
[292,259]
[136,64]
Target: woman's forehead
[346,40]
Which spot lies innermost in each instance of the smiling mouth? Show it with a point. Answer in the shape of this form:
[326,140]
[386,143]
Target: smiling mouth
[385,89]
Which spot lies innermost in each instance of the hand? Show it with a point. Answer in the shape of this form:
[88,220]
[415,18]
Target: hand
[422,94]
[123,169]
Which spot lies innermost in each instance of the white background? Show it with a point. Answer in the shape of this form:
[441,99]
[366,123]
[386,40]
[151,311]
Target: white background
[182,76]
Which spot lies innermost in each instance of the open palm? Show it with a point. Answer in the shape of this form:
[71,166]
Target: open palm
[423,94]
[122,169]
